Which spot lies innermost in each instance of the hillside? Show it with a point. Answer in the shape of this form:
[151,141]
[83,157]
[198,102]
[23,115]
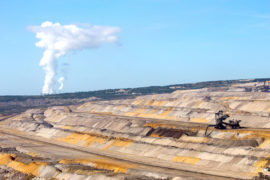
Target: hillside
[167,136]
[14,104]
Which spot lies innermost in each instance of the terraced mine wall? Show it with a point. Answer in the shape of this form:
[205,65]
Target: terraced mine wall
[18,104]
[155,136]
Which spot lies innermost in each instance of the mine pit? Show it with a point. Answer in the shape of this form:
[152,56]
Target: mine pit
[168,136]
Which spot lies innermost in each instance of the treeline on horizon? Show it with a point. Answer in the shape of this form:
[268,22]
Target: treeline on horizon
[109,94]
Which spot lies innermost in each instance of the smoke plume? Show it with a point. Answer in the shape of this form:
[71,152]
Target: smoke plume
[61,82]
[58,40]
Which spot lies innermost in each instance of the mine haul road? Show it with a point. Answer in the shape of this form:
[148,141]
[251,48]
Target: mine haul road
[140,163]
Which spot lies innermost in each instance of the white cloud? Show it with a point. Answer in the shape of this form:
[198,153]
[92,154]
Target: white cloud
[57,40]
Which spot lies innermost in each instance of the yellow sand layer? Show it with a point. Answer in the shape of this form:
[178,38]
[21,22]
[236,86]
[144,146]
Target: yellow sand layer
[140,113]
[229,98]
[256,133]
[75,161]
[119,143]
[137,102]
[199,120]
[111,167]
[5,158]
[150,102]
[159,103]
[155,116]
[100,164]
[152,111]
[31,168]
[194,139]
[264,144]
[155,135]
[120,107]
[185,159]
[66,127]
[156,125]
[106,113]
[32,154]
[155,103]
[86,139]
[84,105]
[166,112]
[260,164]
[136,112]
[197,103]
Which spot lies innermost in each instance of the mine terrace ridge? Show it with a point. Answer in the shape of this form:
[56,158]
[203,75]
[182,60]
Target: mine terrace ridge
[17,104]
[186,131]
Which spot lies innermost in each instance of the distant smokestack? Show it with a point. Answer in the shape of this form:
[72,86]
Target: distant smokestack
[57,40]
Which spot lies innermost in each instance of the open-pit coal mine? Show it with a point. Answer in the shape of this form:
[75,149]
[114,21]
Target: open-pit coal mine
[170,136]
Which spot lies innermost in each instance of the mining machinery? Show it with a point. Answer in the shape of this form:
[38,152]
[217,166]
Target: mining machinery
[263,88]
[220,118]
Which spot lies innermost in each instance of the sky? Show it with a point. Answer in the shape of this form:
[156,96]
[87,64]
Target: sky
[161,42]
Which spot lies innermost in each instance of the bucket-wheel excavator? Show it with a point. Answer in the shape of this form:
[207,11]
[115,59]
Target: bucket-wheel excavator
[220,118]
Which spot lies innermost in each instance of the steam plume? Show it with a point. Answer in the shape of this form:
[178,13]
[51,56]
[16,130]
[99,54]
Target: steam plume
[61,82]
[58,40]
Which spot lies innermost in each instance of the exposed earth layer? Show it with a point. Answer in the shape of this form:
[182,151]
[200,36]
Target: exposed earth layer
[161,136]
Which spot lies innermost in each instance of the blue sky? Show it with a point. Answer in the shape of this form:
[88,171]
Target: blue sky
[162,42]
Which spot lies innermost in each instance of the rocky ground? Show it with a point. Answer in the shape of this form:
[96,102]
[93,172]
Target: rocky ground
[161,136]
